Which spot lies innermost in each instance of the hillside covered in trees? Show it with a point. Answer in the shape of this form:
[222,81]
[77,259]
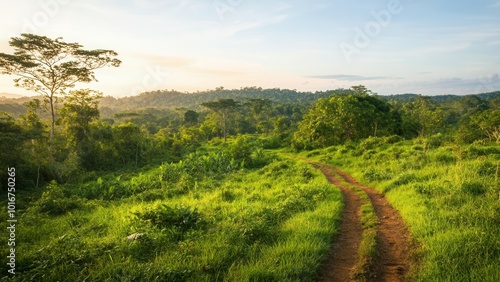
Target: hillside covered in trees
[164,125]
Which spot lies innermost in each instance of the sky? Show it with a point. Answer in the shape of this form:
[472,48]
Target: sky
[390,46]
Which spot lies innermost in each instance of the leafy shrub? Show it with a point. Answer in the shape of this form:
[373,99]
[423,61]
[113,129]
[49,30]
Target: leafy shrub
[108,188]
[152,195]
[272,142]
[241,149]
[255,227]
[445,158]
[418,148]
[306,172]
[182,218]
[259,158]
[275,168]
[392,139]
[55,202]
[367,155]
[474,151]
[370,143]
[487,169]
[434,141]
[373,174]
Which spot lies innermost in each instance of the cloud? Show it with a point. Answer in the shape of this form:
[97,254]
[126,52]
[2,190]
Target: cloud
[455,85]
[239,26]
[349,77]
[155,4]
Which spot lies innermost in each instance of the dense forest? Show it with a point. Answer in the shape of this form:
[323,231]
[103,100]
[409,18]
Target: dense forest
[216,185]
[96,133]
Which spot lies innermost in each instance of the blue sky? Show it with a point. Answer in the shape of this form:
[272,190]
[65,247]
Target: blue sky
[391,46]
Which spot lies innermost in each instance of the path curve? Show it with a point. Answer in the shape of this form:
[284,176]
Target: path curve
[393,237]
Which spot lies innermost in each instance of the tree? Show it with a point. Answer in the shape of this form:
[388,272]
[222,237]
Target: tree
[191,117]
[259,107]
[342,118]
[488,123]
[50,66]
[422,116]
[223,108]
[79,110]
[361,90]
[35,131]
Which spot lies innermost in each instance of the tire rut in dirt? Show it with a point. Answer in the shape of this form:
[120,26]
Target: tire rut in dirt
[343,254]
[393,237]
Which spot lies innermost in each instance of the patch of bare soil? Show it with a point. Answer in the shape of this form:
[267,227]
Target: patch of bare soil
[393,238]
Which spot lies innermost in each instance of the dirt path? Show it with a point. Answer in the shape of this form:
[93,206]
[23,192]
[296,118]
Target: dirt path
[393,240]
[343,255]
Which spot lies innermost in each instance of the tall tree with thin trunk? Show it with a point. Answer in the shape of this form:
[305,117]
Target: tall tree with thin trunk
[50,66]
[223,108]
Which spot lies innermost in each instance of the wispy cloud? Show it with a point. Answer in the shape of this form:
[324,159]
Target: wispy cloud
[350,77]
[239,26]
[453,85]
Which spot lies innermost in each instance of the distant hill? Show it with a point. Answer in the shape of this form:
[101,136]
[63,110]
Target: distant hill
[170,99]
[174,99]
[10,96]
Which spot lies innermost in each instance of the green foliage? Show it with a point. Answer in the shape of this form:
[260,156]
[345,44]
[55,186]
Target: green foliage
[50,66]
[448,196]
[277,219]
[181,218]
[54,200]
[345,118]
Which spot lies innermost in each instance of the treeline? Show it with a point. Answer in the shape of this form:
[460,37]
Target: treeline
[350,118]
[83,141]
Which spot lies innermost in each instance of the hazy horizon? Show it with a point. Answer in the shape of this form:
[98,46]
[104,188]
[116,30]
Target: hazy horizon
[392,46]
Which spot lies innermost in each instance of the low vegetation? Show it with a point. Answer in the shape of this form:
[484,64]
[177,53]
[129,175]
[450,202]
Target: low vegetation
[448,194]
[204,219]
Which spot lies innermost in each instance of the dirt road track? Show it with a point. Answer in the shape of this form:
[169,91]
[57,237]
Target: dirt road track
[393,240]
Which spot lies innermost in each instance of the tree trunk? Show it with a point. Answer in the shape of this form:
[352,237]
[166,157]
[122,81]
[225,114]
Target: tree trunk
[224,126]
[53,116]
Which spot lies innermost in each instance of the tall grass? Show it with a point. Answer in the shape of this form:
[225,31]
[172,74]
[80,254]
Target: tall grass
[273,223]
[447,194]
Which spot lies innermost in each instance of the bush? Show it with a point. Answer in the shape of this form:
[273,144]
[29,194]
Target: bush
[272,142]
[434,141]
[373,174]
[446,158]
[370,143]
[487,169]
[55,202]
[182,218]
[392,139]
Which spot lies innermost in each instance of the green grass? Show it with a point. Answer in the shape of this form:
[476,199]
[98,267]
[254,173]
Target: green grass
[448,195]
[274,223]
